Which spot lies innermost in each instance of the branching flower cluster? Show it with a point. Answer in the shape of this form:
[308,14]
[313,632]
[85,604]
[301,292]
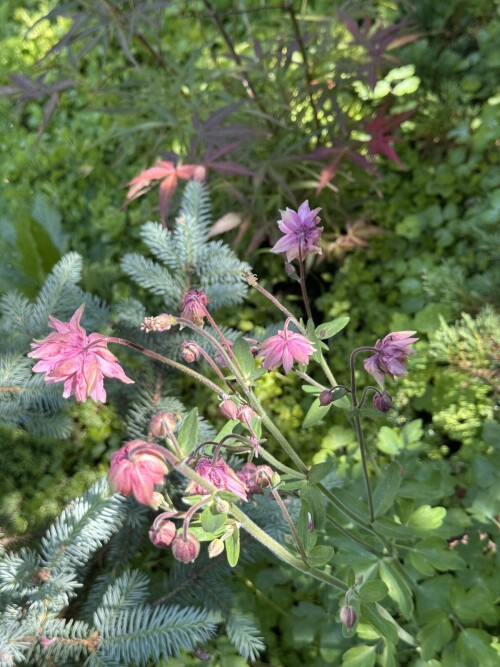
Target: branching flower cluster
[214,498]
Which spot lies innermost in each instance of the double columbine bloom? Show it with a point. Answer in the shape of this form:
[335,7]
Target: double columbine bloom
[284,348]
[136,468]
[82,362]
[301,232]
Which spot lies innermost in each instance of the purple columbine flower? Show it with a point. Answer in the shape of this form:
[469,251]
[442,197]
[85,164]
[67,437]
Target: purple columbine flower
[285,348]
[301,232]
[392,353]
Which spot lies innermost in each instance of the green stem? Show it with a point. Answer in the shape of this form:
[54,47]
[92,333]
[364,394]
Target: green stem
[354,537]
[359,435]
[302,281]
[280,466]
[255,531]
[168,362]
[282,553]
[289,521]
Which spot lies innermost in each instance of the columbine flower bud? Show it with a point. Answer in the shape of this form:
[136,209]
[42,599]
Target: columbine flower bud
[194,306]
[245,414]
[383,401]
[348,616]
[185,550]
[326,397]
[162,423]
[190,351]
[229,409]
[160,323]
[223,506]
[215,548]
[162,531]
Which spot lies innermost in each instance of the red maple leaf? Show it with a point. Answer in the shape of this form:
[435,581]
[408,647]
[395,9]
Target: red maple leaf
[380,129]
[168,174]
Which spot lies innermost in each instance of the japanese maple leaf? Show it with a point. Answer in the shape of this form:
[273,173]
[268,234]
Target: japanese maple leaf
[380,129]
[168,174]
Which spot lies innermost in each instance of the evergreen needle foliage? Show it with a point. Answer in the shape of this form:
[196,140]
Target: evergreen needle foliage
[189,260]
[119,626]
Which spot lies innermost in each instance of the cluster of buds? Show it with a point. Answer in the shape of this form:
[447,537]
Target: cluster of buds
[163,534]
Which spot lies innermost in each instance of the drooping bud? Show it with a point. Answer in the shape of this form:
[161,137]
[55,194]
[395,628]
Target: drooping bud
[190,351]
[162,531]
[162,423]
[185,550]
[215,548]
[383,401]
[326,397]
[194,306]
[348,616]
[245,414]
[310,523]
[159,323]
[229,409]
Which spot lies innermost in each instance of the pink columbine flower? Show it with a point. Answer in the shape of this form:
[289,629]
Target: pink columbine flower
[301,232]
[392,353]
[194,306]
[136,468]
[80,361]
[220,475]
[285,348]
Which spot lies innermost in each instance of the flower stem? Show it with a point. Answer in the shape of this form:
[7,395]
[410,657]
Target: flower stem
[359,434]
[255,531]
[282,553]
[168,362]
[303,289]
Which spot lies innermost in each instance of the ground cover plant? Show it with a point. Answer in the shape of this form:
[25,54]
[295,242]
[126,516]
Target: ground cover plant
[387,120]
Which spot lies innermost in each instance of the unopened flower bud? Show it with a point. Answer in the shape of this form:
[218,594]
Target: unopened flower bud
[290,271]
[157,501]
[190,351]
[194,306]
[229,409]
[163,423]
[348,616]
[185,550]
[383,401]
[215,548]
[162,531]
[160,323]
[245,414]
[326,397]
[222,506]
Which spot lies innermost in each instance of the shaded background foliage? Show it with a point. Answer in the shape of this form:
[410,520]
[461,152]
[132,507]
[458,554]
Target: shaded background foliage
[387,117]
